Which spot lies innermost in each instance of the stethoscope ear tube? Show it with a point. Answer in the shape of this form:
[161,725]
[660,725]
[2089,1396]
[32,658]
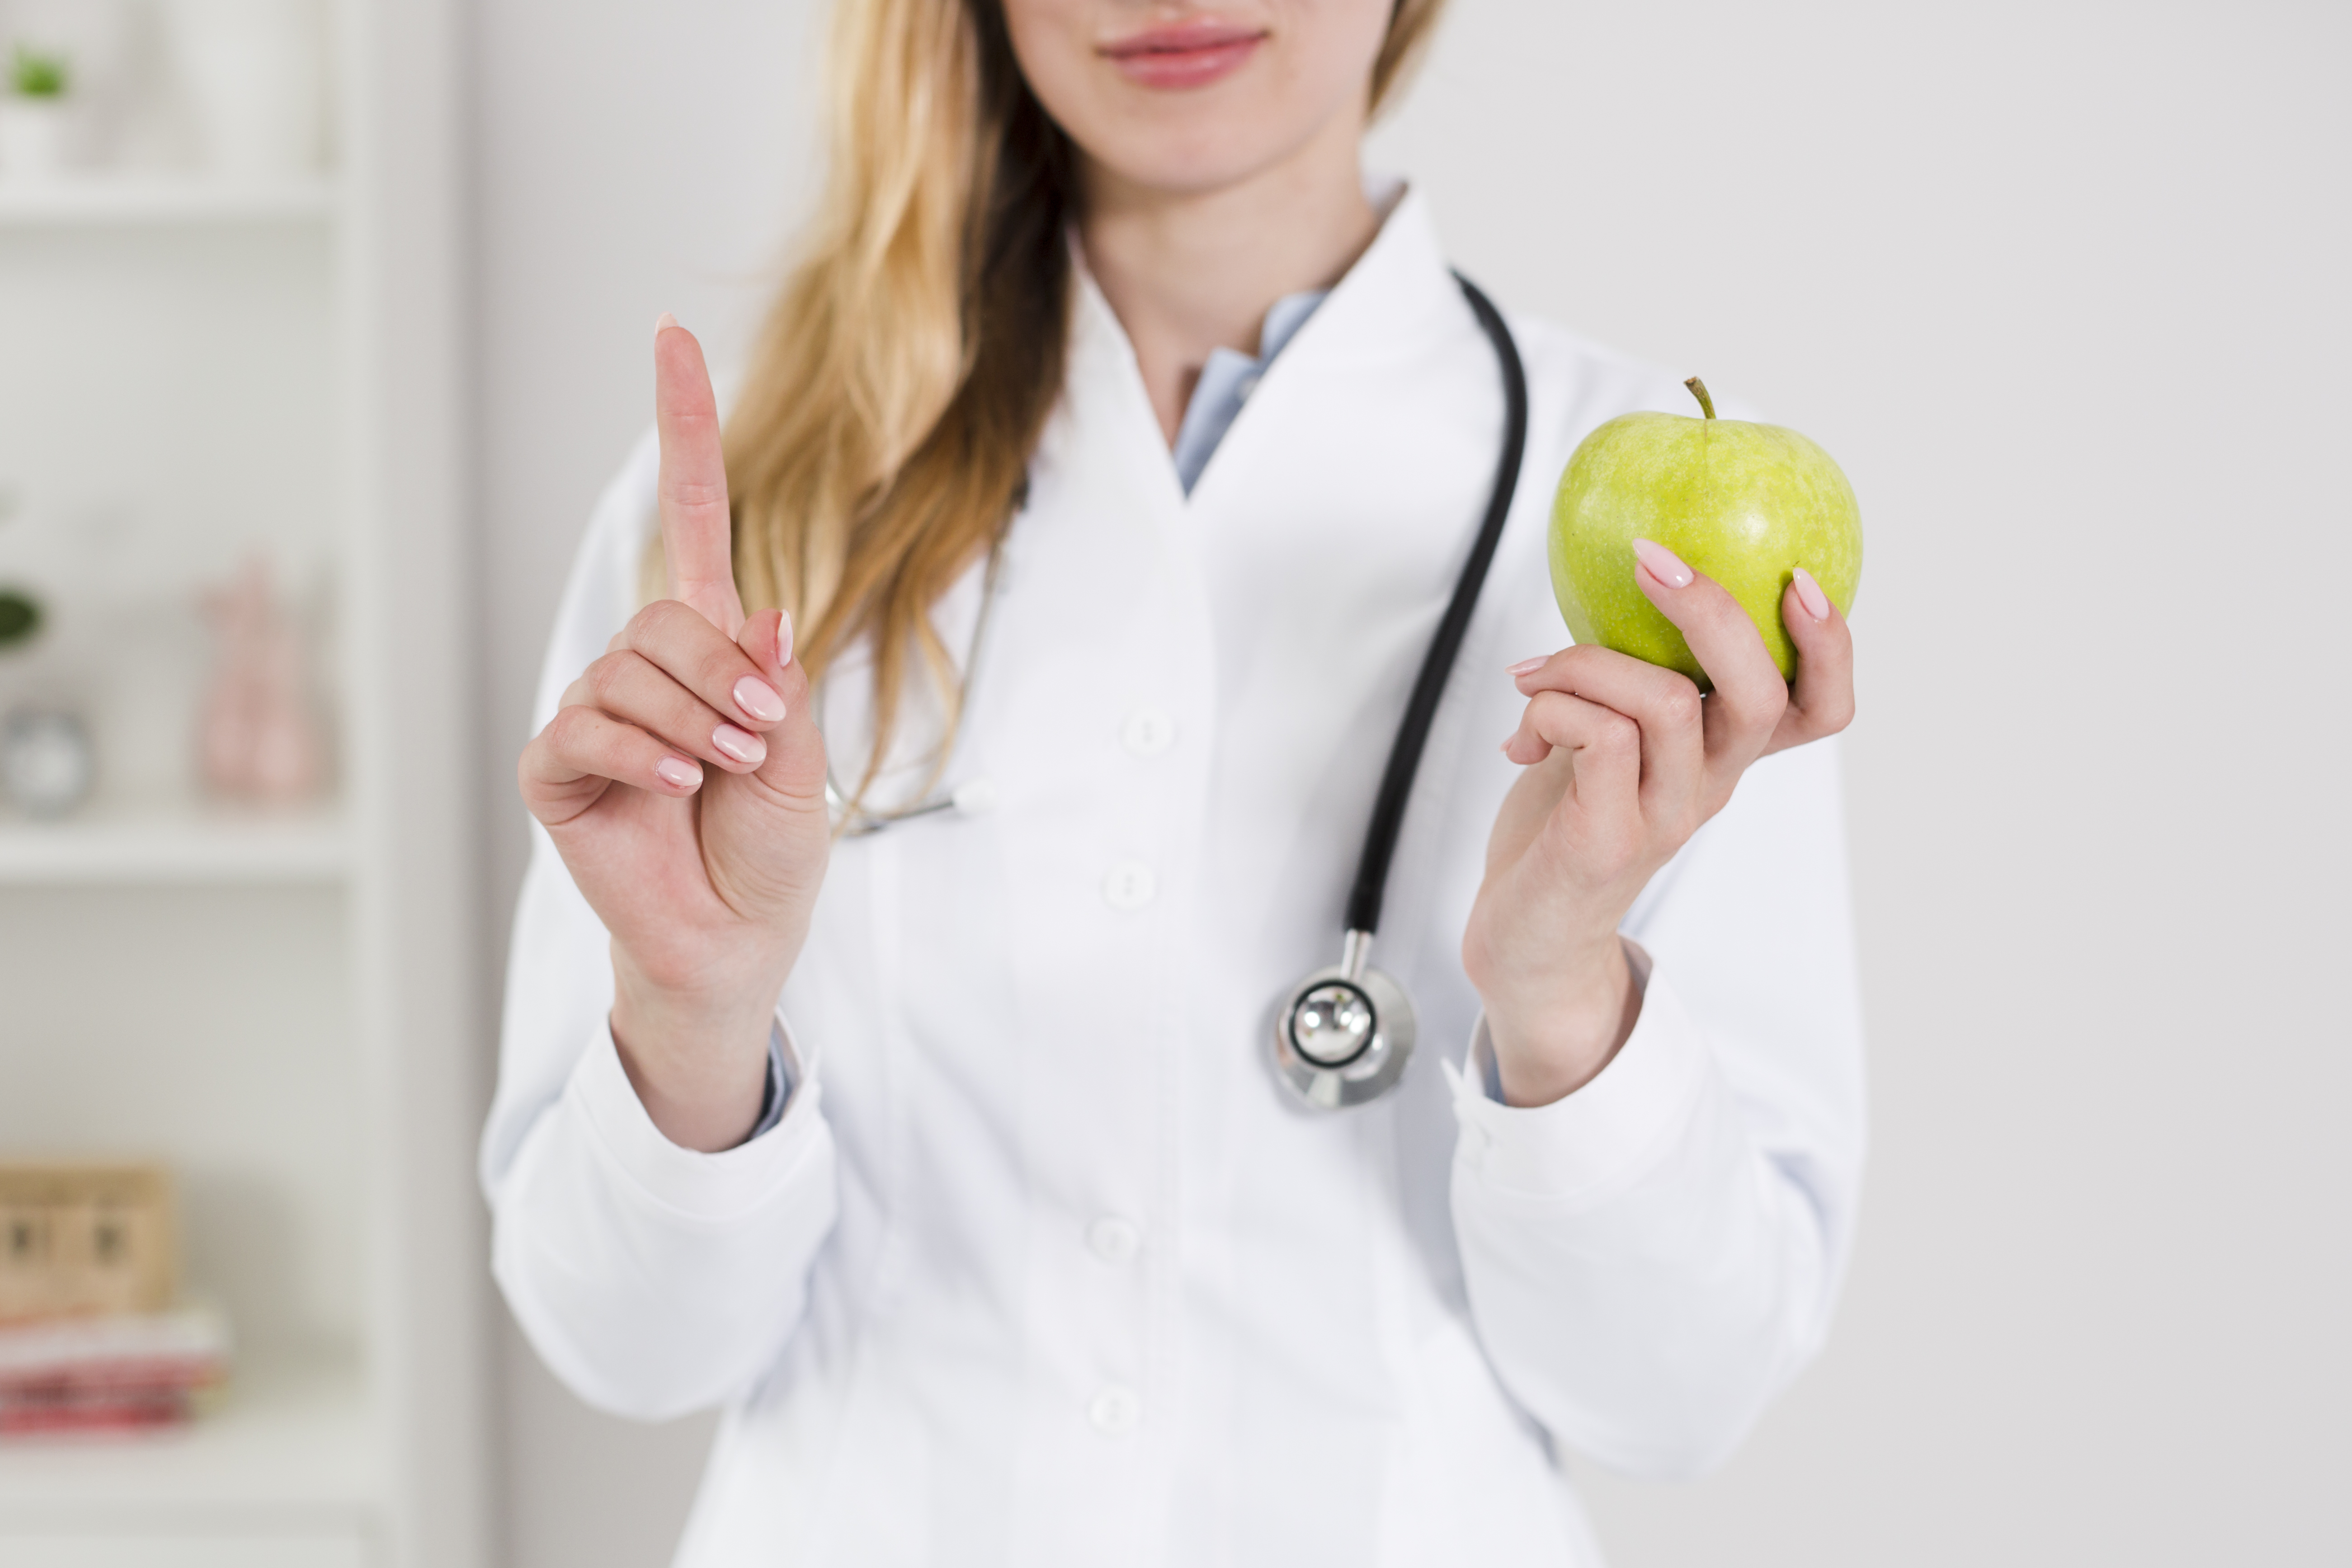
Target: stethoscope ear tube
[1343,1036]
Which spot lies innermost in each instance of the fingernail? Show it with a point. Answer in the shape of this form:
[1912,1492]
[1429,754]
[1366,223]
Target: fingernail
[759,699]
[784,638]
[1809,594]
[1663,563]
[741,744]
[667,321]
[677,773]
[1527,667]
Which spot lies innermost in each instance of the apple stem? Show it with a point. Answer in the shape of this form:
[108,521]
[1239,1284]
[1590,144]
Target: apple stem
[1698,390]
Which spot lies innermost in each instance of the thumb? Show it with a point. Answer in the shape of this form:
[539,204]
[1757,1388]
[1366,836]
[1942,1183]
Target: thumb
[795,764]
[766,835]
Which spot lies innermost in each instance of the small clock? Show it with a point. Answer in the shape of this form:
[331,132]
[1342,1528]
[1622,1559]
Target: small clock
[47,764]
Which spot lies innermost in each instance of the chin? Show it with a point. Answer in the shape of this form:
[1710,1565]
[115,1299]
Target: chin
[1191,159]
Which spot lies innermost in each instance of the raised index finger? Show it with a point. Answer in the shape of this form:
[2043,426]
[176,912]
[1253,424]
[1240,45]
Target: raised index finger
[696,538]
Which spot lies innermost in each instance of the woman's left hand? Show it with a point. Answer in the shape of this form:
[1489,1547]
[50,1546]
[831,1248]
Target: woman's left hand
[1625,761]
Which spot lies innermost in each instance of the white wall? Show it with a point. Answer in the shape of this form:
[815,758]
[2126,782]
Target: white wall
[631,157]
[2063,287]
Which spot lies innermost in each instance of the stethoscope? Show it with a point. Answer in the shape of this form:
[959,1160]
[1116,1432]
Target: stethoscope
[1343,1034]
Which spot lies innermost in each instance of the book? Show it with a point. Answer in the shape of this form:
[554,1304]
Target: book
[114,1372]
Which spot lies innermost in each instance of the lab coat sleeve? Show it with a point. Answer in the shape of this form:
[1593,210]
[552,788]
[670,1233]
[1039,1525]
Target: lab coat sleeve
[1651,1258]
[652,1279]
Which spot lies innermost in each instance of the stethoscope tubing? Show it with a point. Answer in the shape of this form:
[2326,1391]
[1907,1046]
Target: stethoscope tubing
[1343,1036]
[1437,664]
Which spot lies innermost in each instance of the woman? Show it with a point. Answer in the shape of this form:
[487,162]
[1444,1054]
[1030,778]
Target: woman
[1114,453]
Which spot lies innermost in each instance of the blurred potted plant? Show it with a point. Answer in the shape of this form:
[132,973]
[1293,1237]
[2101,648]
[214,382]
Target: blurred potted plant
[33,113]
[20,618]
[47,763]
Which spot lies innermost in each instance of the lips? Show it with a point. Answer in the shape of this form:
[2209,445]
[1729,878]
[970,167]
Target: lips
[1183,54]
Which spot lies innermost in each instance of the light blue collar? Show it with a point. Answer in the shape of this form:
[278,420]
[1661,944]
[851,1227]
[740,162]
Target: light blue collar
[1228,381]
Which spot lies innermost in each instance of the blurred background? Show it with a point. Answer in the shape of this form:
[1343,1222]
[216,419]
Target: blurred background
[322,325]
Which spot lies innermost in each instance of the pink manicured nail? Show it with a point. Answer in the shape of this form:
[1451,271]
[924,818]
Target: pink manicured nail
[677,773]
[1809,594]
[741,744]
[667,321]
[759,699]
[1663,563]
[1525,666]
[784,638]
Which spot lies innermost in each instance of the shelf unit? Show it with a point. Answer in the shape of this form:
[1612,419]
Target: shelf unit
[147,200]
[286,1008]
[281,1476]
[183,849]
[288,1438]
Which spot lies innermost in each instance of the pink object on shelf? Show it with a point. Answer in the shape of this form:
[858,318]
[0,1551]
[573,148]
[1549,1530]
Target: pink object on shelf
[258,740]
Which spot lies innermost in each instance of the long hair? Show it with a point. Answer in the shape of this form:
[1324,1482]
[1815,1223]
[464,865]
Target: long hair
[881,442]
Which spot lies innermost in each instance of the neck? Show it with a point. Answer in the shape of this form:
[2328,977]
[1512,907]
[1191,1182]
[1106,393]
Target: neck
[1189,271]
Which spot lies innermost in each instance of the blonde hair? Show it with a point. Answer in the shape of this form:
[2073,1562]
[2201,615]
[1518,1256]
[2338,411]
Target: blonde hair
[881,442]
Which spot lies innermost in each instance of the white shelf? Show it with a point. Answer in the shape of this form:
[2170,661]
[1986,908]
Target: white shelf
[161,329]
[290,1440]
[86,200]
[179,850]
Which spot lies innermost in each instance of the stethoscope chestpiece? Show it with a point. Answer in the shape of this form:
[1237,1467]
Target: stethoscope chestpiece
[1343,1036]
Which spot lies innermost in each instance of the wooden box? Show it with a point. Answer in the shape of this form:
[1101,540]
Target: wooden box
[85,1238]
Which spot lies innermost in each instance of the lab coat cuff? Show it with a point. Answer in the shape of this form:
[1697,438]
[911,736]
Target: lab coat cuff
[1606,1135]
[713,1188]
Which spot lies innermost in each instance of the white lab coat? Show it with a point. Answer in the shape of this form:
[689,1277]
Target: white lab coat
[1040,1267]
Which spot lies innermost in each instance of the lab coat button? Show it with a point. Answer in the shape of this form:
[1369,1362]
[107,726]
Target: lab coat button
[1147,732]
[1116,1411]
[1130,884]
[1113,1239]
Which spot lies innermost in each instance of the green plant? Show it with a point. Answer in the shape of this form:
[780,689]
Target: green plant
[20,617]
[35,74]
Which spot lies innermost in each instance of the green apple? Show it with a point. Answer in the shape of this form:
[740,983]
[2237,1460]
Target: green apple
[1742,503]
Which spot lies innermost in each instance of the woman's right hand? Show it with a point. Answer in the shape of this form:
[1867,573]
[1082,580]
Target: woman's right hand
[683,781]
